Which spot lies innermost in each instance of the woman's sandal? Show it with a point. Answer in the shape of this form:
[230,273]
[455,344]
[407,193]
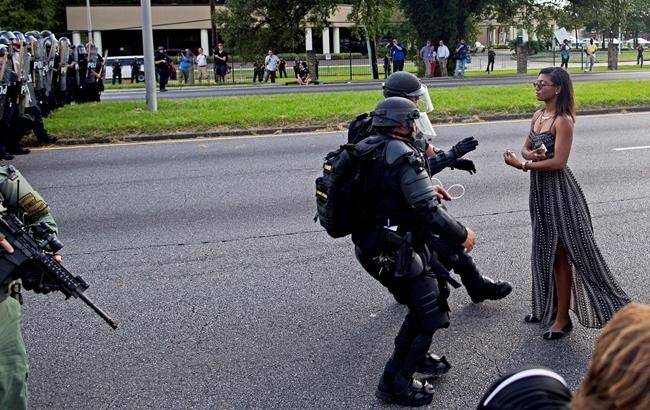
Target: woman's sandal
[530,318]
[551,335]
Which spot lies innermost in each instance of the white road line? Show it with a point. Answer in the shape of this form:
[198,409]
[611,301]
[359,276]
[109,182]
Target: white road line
[631,148]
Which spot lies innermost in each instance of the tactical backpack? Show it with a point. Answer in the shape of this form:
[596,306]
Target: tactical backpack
[340,191]
[360,128]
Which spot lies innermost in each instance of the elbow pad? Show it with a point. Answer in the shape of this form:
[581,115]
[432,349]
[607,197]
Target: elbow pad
[419,193]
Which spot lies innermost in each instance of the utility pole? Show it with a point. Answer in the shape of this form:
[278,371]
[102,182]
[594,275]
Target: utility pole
[90,22]
[213,25]
[147,48]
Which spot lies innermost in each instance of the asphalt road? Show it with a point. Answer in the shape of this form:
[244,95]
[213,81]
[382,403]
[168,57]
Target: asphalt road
[229,296]
[269,89]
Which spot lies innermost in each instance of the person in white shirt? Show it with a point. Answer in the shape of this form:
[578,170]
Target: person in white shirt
[270,65]
[428,55]
[442,56]
[201,61]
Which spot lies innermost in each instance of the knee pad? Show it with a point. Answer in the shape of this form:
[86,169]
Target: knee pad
[428,306]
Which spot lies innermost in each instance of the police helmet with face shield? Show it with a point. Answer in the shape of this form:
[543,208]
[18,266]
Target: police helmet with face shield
[395,112]
[9,36]
[19,36]
[34,34]
[403,84]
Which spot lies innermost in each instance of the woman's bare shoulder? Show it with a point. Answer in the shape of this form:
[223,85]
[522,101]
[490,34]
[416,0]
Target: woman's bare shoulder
[563,122]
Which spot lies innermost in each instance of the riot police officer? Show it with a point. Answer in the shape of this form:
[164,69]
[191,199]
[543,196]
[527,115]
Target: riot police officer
[404,84]
[398,247]
[21,199]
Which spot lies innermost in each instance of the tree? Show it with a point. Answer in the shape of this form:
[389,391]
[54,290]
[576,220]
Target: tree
[32,15]
[254,26]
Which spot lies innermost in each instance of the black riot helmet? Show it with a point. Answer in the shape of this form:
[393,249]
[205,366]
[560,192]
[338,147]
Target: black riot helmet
[46,33]
[395,112]
[8,35]
[19,36]
[34,34]
[5,41]
[403,84]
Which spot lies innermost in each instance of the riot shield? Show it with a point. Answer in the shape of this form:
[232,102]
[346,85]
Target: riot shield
[64,55]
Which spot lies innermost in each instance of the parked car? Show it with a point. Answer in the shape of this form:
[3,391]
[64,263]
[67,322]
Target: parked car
[126,67]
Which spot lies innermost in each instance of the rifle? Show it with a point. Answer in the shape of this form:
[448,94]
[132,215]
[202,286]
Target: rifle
[43,274]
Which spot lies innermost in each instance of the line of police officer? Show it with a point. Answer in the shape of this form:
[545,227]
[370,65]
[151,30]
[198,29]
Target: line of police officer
[38,74]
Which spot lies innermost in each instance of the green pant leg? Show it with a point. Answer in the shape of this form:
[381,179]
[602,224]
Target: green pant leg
[13,357]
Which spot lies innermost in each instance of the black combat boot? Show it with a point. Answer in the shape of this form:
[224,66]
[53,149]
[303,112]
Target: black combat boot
[41,134]
[479,287]
[18,149]
[410,393]
[433,365]
[490,289]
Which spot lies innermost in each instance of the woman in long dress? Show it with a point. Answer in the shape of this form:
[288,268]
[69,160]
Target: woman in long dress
[568,269]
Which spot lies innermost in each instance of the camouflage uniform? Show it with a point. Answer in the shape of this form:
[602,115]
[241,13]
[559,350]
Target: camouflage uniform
[18,197]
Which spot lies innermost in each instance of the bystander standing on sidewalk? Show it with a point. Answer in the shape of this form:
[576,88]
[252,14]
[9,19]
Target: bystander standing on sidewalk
[442,55]
[296,66]
[461,57]
[282,68]
[491,56]
[639,56]
[428,55]
[590,50]
[201,61]
[185,63]
[565,54]
[398,53]
[271,62]
[221,58]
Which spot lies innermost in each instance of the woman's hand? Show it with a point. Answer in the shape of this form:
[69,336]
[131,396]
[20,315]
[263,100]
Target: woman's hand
[511,159]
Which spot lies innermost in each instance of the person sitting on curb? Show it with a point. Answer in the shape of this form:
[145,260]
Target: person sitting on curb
[303,76]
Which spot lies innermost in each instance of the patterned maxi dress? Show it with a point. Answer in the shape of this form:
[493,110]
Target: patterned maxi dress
[558,211]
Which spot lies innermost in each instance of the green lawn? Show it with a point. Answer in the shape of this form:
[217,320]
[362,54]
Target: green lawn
[115,119]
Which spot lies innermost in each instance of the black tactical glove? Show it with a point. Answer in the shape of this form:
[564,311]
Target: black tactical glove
[463,147]
[464,165]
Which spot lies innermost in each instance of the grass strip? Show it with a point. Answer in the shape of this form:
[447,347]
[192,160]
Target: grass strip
[115,119]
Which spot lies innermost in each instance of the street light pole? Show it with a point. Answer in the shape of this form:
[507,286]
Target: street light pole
[89,22]
[147,48]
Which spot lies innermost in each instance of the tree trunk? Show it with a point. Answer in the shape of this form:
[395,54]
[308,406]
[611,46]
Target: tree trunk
[612,56]
[522,59]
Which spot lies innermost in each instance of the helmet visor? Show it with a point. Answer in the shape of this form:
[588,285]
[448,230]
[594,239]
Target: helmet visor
[424,126]
[423,99]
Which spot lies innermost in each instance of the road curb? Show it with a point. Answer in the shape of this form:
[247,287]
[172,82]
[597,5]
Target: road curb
[317,128]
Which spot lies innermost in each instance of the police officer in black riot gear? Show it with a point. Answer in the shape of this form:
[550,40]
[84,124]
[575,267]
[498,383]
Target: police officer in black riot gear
[28,116]
[401,245]
[404,84]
